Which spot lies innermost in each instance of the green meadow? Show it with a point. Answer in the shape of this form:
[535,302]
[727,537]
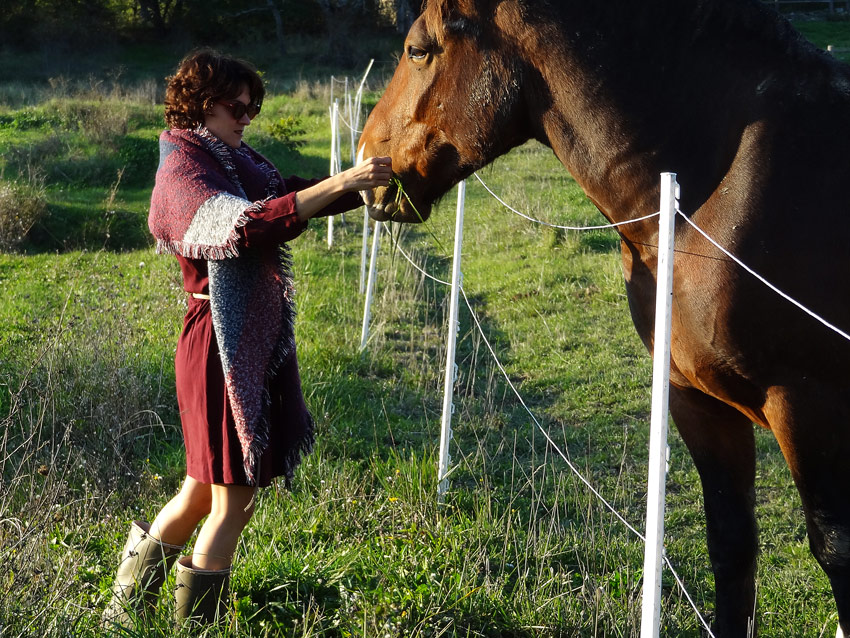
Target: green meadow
[361,546]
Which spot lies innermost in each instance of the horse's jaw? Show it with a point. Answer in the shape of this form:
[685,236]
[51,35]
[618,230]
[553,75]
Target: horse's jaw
[379,209]
[384,206]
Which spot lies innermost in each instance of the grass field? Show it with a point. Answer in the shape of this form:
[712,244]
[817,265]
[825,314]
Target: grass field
[90,438]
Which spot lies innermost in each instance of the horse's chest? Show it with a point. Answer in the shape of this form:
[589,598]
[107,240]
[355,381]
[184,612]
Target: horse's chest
[700,344]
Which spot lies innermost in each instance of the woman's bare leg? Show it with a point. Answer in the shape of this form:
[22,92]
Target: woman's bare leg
[176,522]
[219,534]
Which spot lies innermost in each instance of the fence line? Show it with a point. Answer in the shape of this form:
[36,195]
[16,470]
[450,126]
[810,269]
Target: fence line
[552,443]
[764,281]
[538,221]
[351,119]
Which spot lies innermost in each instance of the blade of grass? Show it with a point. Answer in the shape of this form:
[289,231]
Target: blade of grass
[400,192]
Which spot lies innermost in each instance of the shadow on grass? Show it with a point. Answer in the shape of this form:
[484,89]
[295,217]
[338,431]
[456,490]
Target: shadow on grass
[75,226]
[338,608]
[394,389]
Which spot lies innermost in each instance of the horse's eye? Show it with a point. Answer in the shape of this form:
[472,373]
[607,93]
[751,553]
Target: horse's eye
[415,53]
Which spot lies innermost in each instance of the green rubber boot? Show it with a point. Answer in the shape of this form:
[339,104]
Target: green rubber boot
[144,565]
[201,594]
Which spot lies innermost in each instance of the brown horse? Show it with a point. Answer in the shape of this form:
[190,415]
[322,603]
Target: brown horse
[756,123]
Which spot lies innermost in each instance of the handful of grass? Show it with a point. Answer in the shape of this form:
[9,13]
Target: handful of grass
[401,194]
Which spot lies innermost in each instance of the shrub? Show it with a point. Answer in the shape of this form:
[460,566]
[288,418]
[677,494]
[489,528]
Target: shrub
[22,204]
[139,156]
[27,119]
[99,121]
[285,129]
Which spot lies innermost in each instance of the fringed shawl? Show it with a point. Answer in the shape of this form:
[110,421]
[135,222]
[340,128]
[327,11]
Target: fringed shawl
[197,206]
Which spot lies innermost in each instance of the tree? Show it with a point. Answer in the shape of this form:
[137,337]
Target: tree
[404,16]
[272,7]
[339,16]
[399,13]
[278,26]
[159,13]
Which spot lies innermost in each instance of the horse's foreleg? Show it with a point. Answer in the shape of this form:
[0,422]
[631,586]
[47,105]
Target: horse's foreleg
[813,430]
[722,445]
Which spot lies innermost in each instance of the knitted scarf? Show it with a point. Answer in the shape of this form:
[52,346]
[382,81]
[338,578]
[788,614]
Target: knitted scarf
[197,205]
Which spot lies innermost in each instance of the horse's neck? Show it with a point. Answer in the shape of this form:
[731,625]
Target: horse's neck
[621,106]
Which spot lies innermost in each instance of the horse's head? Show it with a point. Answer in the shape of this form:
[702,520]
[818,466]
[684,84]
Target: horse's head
[453,105]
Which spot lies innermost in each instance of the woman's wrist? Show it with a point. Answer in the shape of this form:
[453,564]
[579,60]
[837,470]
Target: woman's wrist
[340,185]
[311,200]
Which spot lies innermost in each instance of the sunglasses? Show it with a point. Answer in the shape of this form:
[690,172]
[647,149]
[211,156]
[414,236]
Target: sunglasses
[238,109]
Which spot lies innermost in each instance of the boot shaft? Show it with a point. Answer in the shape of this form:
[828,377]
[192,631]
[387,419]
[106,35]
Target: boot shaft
[145,563]
[146,560]
[201,595]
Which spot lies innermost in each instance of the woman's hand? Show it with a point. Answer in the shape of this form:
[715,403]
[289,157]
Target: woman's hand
[368,174]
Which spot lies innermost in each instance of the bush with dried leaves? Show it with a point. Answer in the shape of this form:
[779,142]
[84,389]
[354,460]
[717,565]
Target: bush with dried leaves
[22,204]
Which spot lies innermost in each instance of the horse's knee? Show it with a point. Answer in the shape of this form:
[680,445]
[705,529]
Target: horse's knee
[733,560]
[829,541]
[830,544]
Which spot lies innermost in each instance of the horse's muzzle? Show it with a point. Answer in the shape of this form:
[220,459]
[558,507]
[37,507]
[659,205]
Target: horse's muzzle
[380,209]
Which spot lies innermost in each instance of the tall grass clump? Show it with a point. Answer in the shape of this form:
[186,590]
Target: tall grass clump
[87,425]
[23,203]
[82,140]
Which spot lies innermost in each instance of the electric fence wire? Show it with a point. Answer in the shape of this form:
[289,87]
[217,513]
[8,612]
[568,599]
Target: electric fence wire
[538,221]
[698,229]
[350,128]
[763,280]
[552,443]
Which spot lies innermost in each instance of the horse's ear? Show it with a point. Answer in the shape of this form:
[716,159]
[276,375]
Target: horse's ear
[454,16]
[465,8]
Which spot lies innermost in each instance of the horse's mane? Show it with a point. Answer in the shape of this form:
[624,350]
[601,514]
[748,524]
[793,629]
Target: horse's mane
[693,20]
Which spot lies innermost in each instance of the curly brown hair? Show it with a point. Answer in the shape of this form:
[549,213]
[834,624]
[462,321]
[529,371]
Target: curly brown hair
[204,77]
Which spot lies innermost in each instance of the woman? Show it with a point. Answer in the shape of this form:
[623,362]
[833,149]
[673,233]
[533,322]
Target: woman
[225,212]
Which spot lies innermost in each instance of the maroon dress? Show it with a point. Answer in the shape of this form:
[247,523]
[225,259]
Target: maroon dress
[213,451]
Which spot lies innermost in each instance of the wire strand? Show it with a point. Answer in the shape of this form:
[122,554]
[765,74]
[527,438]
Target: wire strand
[344,121]
[398,247]
[762,279]
[555,446]
[538,221]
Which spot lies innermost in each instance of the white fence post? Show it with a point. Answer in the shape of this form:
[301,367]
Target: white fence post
[370,287]
[358,97]
[654,549]
[364,250]
[451,343]
[335,163]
